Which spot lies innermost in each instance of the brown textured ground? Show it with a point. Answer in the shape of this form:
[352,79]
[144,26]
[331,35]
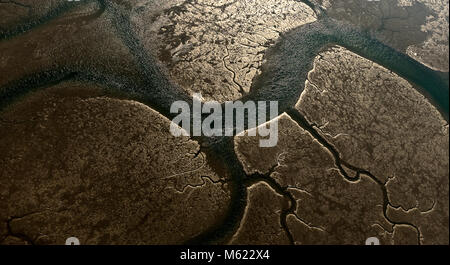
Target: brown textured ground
[261,221]
[80,39]
[380,126]
[19,12]
[78,164]
[74,162]
[417,27]
[386,127]
[215,47]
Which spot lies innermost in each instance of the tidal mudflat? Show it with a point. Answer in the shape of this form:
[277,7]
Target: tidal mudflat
[85,147]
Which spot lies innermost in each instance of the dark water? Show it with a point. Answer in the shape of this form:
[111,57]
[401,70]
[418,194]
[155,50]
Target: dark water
[288,63]
[282,79]
[283,75]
